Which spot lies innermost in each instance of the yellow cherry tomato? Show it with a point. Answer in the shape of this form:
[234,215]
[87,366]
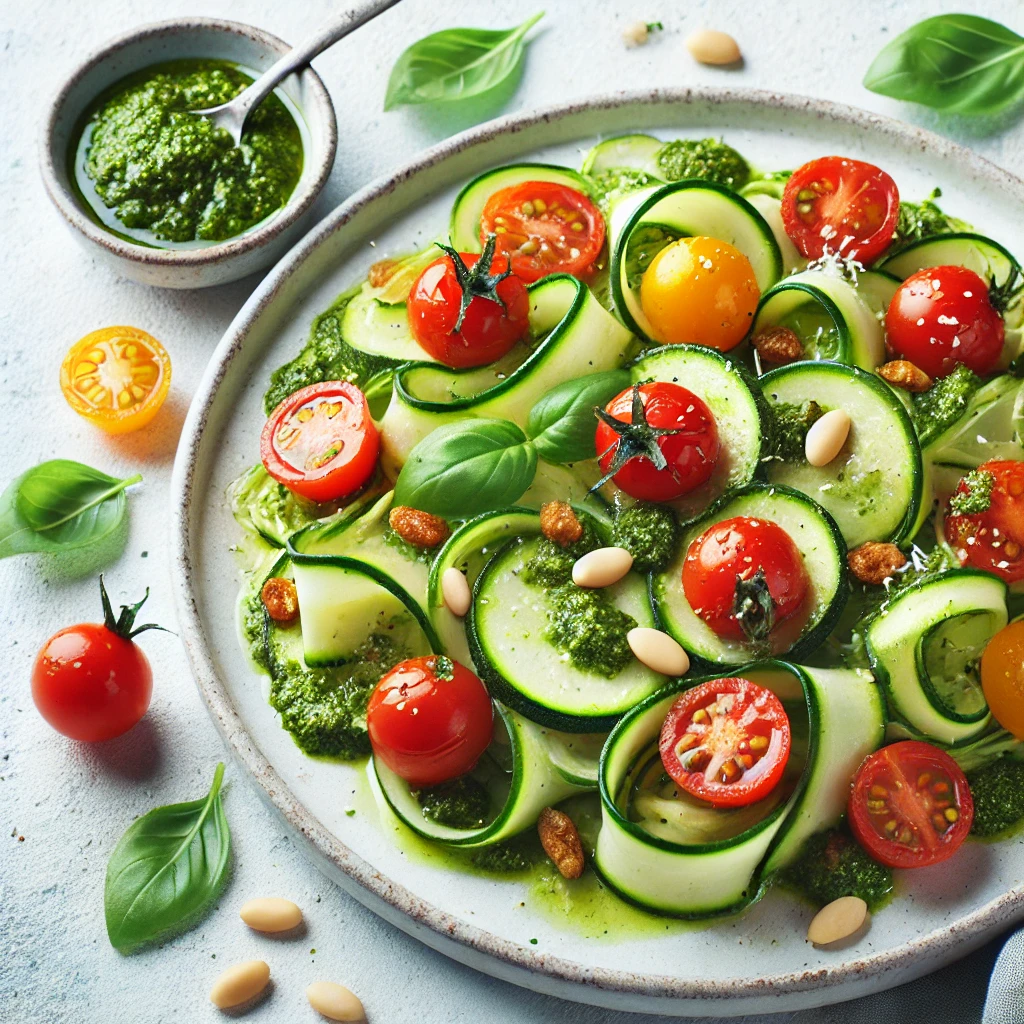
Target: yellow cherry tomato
[1002,677]
[117,378]
[702,291]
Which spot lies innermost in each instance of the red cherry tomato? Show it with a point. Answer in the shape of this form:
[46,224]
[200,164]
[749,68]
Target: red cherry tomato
[544,228]
[726,741]
[910,805]
[942,316]
[993,540]
[321,442]
[92,682]
[487,331]
[738,549]
[429,720]
[691,454]
[848,205]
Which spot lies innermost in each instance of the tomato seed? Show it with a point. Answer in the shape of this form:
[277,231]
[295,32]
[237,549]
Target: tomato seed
[923,779]
[951,814]
[880,791]
[700,716]
[759,744]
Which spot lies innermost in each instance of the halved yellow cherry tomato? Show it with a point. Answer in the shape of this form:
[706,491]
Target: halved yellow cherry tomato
[1002,677]
[117,378]
[700,290]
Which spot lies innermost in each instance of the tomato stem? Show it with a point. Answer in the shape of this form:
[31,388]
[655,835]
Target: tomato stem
[477,282]
[123,623]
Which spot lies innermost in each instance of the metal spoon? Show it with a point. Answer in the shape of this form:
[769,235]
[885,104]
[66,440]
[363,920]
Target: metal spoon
[231,115]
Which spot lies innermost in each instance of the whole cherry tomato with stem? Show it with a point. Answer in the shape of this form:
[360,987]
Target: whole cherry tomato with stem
[92,682]
[468,310]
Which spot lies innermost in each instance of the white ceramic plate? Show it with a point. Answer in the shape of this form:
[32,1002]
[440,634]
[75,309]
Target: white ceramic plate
[757,962]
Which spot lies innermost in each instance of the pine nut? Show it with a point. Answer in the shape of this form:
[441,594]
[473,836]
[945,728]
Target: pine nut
[636,33]
[271,914]
[455,591]
[239,984]
[334,1001]
[839,920]
[826,437]
[601,568]
[658,651]
[707,46]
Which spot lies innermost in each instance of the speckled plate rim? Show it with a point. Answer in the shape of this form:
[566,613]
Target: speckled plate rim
[462,941]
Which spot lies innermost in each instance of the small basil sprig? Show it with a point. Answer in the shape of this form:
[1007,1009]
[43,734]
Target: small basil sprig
[562,425]
[955,62]
[59,505]
[462,469]
[167,870]
[456,63]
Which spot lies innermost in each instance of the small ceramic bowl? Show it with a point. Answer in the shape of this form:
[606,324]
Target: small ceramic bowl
[176,40]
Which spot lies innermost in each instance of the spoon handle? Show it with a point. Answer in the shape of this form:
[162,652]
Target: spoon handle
[335,28]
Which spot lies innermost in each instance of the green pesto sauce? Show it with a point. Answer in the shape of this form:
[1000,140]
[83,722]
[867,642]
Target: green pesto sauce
[159,169]
[461,803]
[998,792]
[649,533]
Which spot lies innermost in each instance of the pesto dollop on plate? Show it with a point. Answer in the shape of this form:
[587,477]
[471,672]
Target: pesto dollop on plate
[150,169]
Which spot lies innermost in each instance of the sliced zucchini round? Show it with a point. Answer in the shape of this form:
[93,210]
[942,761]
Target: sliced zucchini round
[876,288]
[820,543]
[637,152]
[770,208]
[381,331]
[699,861]
[535,783]
[828,315]
[924,647]
[735,400]
[987,258]
[578,337]
[873,488]
[464,229]
[677,210]
[506,628]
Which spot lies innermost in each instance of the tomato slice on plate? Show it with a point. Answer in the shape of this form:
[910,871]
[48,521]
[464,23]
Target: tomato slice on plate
[544,229]
[848,205]
[321,442]
[726,741]
[910,805]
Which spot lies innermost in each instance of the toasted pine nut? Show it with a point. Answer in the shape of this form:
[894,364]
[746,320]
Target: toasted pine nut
[658,651]
[707,46]
[601,567]
[455,591]
[271,914]
[636,33]
[239,984]
[839,920]
[335,1001]
[826,437]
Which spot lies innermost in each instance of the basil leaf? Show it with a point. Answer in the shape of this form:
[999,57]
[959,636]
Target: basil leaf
[167,869]
[955,62]
[456,63]
[462,469]
[59,505]
[562,423]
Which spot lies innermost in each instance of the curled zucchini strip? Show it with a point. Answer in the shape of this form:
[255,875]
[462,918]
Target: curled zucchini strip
[696,880]
[924,649]
[537,782]
[579,337]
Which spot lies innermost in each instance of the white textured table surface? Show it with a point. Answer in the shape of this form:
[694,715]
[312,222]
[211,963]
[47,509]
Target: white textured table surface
[63,805]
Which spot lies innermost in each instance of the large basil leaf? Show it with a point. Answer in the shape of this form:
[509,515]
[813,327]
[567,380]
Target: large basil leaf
[59,505]
[462,469]
[456,63]
[562,423]
[167,869]
[955,62]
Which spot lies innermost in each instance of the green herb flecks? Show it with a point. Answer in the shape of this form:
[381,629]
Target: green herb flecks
[938,408]
[998,793]
[461,803]
[649,533]
[707,159]
[792,421]
[976,495]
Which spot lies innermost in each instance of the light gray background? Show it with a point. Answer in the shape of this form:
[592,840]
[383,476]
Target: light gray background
[63,805]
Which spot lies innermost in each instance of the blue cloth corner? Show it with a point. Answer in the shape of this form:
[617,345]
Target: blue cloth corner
[1005,1001]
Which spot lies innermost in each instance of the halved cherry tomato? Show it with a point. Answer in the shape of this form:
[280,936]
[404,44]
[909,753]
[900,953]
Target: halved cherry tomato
[91,682]
[727,566]
[847,205]
[676,423]
[1002,677]
[726,741]
[993,540]
[544,228]
[910,805]
[941,316]
[320,442]
[429,720]
[117,378]
[488,328]
[700,291]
